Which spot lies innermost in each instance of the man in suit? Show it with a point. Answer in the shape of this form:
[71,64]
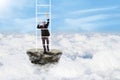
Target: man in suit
[45,34]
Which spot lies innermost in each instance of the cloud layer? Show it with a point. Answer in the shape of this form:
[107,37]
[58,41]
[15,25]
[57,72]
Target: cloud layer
[85,57]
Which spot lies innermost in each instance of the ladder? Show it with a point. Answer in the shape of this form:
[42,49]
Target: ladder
[42,7]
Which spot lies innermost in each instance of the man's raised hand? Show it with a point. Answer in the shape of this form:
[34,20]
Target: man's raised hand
[47,15]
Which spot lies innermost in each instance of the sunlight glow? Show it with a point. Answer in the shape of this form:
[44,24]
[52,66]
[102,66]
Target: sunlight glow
[4,4]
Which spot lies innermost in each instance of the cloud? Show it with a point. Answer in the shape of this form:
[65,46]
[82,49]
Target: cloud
[19,25]
[88,19]
[93,10]
[16,16]
[87,23]
[104,64]
[10,8]
[25,25]
[96,19]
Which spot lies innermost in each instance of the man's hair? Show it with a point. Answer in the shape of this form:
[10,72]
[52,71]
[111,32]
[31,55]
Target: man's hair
[44,22]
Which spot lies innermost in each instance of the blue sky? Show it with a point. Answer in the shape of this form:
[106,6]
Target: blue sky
[67,16]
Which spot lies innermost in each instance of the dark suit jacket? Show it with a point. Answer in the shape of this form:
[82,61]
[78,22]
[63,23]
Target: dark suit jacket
[44,29]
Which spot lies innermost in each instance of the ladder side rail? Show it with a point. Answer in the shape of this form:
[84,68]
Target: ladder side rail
[42,13]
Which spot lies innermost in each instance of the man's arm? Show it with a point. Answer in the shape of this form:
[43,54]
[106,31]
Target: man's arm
[47,15]
[39,26]
[47,23]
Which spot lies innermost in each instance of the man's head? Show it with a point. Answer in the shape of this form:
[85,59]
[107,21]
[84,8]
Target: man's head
[43,22]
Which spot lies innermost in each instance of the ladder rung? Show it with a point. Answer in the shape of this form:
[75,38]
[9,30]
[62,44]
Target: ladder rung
[45,5]
[41,13]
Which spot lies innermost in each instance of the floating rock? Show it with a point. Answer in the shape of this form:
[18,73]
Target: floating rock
[37,56]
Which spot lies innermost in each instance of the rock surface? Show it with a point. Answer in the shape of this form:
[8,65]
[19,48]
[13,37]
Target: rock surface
[37,56]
